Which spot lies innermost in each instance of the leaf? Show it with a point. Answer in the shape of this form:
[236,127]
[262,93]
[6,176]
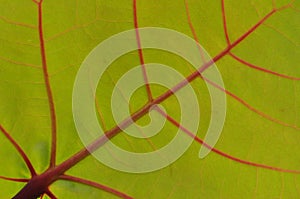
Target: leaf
[257,154]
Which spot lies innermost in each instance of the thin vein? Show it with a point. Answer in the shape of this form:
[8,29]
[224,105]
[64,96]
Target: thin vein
[262,69]
[187,10]
[264,115]
[225,22]
[14,179]
[19,149]
[200,141]
[140,51]
[96,185]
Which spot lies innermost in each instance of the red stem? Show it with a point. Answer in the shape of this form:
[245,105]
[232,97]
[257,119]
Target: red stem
[96,185]
[48,86]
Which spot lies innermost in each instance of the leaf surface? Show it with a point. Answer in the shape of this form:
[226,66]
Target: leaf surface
[263,110]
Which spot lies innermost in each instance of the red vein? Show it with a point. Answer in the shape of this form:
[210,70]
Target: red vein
[36,2]
[14,179]
[141,57]
[47,84]
[19,149]
[50,194]
[197,139]
[96,185]
[193,30]
[224,22]
[261,69]
[264,115]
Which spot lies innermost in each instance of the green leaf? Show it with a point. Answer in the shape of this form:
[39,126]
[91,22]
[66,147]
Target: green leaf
[263,104]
